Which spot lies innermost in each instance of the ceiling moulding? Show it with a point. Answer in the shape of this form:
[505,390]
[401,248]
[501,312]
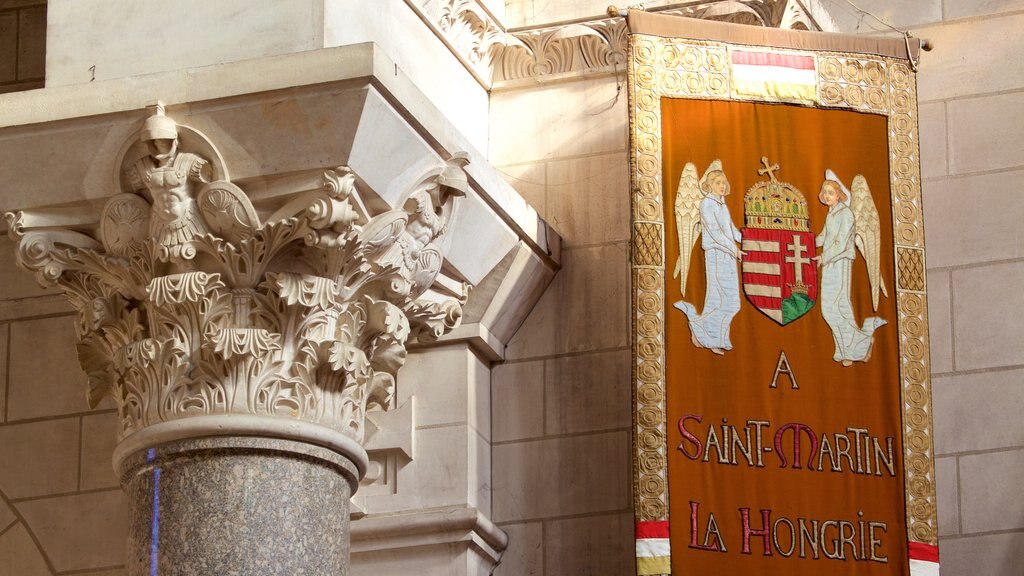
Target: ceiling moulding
[500,58]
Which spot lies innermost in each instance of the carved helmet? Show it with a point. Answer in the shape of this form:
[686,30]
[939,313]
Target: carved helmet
[159,127]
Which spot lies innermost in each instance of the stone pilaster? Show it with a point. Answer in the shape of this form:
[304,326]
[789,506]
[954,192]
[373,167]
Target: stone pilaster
[244,345]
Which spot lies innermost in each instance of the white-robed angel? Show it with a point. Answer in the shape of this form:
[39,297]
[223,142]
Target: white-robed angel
[852,223]
[701,211]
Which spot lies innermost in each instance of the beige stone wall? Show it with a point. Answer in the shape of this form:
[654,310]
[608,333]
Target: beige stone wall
[971,91]
[22,44]
[61,509]
[561,401]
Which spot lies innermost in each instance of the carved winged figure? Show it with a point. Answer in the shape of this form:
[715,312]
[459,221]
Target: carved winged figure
[701,211]
[852,224]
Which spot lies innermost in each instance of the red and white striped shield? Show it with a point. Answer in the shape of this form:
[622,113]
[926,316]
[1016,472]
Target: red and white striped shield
[779,277]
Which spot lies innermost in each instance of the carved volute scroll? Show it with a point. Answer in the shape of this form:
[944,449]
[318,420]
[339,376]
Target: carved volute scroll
[192,302]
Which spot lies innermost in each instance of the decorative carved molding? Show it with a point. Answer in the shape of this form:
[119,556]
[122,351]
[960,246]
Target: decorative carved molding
[473,35]
[191,304]
[600,45]
[480,42]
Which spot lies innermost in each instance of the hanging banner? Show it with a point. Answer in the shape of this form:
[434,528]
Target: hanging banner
[782,419]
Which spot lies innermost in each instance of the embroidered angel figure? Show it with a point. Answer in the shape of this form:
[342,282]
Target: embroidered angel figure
[701,211]
[852,221]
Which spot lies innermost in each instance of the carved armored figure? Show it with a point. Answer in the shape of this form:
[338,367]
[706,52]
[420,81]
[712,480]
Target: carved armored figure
[171,177]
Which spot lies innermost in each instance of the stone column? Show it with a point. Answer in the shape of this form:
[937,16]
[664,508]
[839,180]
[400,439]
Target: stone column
[244,346]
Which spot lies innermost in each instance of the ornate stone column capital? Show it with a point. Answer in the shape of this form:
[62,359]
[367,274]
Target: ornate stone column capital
[203,314]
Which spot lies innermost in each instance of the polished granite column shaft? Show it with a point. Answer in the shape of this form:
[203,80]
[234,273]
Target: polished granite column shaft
[238,505]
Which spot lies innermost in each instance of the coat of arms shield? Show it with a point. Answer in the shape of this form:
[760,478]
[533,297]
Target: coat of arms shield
[779,277]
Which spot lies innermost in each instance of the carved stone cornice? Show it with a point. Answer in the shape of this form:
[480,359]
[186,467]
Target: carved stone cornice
[194,303]
[469,30]
[495,56]
[600,45]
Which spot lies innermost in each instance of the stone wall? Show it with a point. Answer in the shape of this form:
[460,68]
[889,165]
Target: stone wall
[61,508]
[561,401]
[22,44]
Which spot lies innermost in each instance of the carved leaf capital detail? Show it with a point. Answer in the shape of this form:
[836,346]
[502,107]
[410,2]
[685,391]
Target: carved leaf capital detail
[188,304]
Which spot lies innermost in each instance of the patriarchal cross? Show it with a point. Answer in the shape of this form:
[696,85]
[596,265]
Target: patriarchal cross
[797,258]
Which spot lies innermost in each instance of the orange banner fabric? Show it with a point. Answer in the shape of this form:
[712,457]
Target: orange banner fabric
[782,460]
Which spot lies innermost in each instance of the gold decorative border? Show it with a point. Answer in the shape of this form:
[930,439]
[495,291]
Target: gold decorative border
[678,68]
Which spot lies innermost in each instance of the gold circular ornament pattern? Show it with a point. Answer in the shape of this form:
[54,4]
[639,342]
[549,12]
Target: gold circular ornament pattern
[691,58]
[653,509]
[854,95]
[650,440]
[652,484]
[903,145]
[672,83]
[832,93]
[649,349]
[649,303]
[648,186]
[652,462]
[918,464]
[643,51]
[913,327]
[650,393]
[647,162]
[916,395]
[899,75]
[645,77]
[830,69]
[852,71]
[671,57]
[717,85]
[901,101]
[911,305]
[694,83]
[874,73]
[648,280]
[916,372]
[646,100]
[716,59]
[907,212]
[650,372]
[923,532]
[650,416]
[647,144]
[914,348]
[905,190]
[647,121]
[918,441]
[901,123]
[920,486]
[649,325]
[876,99]
[648,209]
[907,234]
[921,509]
[917,418]
[906,168]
